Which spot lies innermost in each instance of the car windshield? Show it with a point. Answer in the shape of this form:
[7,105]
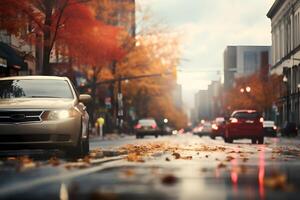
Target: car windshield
[147,122]
[246,115]
[10,89]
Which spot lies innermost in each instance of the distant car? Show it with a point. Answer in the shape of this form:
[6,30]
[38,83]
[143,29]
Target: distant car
[289,129]
[270,129]
[146,127]
[203,129]
[245,124]
[43,112]
[218,127]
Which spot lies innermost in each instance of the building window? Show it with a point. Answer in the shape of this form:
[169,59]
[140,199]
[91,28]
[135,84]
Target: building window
[250,62]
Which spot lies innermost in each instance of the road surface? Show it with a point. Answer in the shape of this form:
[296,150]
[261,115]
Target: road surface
[179,167]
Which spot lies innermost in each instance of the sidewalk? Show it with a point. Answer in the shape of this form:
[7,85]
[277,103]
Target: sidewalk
[108,136]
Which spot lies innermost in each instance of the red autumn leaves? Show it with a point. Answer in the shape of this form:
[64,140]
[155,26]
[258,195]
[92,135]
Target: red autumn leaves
[69,25]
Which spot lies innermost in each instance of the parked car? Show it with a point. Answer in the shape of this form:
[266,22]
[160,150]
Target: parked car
[146,127]
[289,129]
[245,124]
[43,112]
[270,129]
[218,127]
[203,129]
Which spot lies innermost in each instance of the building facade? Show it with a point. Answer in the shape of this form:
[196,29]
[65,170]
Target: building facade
[202,106]
[177,96]
[285,22]
[241,61]
[17,57]
[215,100]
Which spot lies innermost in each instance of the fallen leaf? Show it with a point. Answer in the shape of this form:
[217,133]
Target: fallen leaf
[176,155]
[276,181]
[54,161]
[128,173]
[26,163]
[133,157]
[221,165]
[169,180]
[187,157]
[229,158]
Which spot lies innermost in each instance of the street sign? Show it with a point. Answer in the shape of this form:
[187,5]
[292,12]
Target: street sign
[107,102]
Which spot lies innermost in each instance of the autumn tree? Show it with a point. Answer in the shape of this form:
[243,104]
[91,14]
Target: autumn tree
[156,51]
[264,91]
[64,23]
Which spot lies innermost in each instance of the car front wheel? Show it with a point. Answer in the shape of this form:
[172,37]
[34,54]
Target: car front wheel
[227,137]
[261,140]
[81,149]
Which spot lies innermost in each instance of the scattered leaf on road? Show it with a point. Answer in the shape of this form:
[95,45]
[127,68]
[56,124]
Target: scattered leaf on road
[169,180]
[176,155]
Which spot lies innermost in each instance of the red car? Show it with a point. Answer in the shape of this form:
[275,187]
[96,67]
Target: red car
[245,124]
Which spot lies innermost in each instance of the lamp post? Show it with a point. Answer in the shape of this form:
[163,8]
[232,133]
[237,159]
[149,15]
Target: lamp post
[285,80]
[298,103]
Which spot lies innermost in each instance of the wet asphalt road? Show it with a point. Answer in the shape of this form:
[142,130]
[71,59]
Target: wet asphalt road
[172,167]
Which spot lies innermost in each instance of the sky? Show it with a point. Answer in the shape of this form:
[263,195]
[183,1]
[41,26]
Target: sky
[206,28]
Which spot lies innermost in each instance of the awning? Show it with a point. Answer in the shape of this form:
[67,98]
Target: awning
[12,57]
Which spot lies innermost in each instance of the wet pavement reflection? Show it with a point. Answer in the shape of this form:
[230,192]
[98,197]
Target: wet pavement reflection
[177,167]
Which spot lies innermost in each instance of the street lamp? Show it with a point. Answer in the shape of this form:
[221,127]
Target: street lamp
[166,120]
[285,80]
[248,89]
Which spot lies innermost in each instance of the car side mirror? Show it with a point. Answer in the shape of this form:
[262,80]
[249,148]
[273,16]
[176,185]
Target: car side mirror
[85,98]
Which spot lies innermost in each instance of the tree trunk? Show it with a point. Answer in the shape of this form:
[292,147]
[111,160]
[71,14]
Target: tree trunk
[47,70]
[47,38]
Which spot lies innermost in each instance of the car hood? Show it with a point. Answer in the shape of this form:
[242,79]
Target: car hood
[36,103]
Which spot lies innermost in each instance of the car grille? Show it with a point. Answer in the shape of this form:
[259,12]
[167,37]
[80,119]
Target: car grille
[33,138]
[20,116]
[25,138]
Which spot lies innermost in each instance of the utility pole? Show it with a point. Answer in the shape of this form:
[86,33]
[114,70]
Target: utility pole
[119,111]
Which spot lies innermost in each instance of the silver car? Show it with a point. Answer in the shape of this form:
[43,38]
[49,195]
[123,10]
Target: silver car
[43,112]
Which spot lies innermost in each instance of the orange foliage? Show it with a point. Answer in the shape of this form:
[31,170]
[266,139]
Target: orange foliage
[89,40]
[65,23]
[157,51]
[264,92]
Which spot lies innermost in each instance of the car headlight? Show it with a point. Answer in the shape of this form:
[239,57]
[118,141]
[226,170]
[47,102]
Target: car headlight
[61,114]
